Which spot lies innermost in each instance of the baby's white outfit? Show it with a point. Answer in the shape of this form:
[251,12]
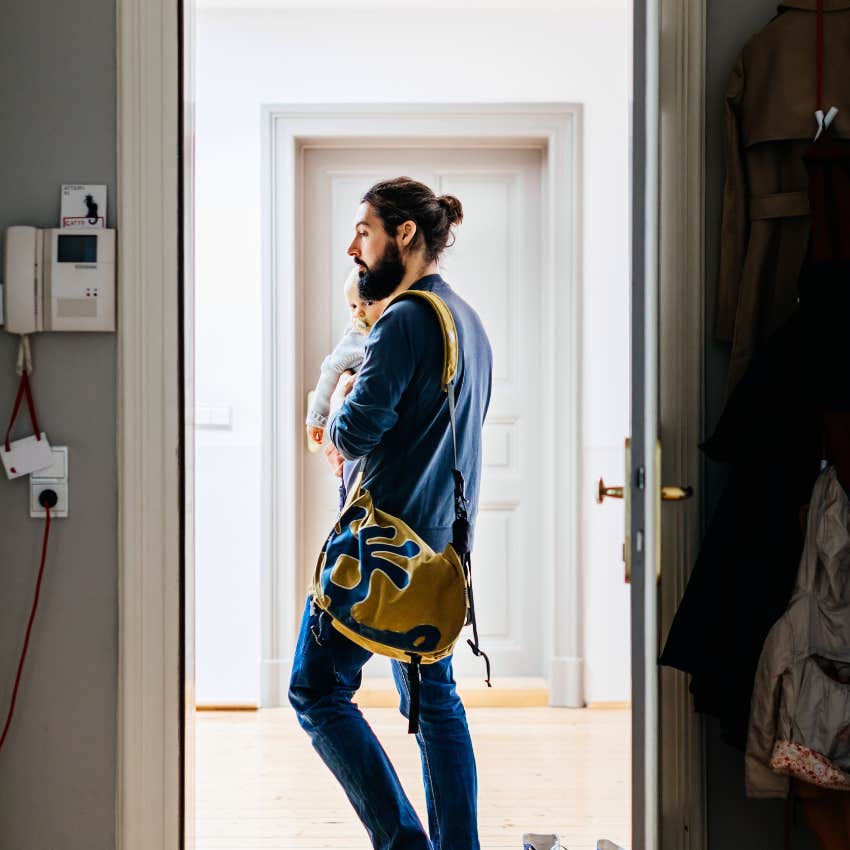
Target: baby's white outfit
[348,355]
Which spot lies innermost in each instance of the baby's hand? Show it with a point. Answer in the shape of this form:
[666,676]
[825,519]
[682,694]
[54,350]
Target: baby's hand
[316,434]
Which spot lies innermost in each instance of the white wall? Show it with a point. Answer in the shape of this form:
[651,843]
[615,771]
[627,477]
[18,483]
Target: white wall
[250,58]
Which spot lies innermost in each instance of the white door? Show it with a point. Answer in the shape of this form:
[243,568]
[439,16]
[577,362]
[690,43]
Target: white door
[495,266]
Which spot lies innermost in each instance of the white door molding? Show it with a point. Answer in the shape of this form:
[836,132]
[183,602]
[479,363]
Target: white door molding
[149,781]
[287,131]
[683,824]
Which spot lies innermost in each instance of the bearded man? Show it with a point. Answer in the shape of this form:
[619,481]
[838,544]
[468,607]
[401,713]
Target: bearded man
[395,416]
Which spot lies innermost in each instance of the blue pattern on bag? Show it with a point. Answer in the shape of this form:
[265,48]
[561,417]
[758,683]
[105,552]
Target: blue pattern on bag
[360,546]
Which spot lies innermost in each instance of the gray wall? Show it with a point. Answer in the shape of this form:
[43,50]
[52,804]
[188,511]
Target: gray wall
[57,125]
[734,821]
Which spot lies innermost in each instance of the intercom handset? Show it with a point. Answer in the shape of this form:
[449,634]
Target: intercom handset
[59,279]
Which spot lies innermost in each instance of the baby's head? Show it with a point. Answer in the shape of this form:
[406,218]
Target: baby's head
[364,314]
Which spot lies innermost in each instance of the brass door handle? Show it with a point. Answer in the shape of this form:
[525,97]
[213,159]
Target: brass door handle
[668,494]
[604,492]
[676,494]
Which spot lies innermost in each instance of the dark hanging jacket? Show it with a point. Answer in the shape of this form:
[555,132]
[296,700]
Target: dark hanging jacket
[769,438]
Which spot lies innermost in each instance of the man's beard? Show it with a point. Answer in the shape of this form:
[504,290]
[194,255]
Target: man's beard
[381,280]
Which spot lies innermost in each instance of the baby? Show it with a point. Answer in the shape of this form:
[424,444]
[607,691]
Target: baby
[347,356]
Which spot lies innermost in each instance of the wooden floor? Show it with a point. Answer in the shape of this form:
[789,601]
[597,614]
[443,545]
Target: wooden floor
[258,783]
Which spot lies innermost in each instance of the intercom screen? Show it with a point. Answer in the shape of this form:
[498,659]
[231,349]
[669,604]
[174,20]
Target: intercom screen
[77,249]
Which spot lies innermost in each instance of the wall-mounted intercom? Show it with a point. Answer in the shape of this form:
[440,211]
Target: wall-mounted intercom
[59,279]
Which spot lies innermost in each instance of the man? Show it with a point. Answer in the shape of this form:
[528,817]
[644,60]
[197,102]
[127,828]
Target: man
[395,414]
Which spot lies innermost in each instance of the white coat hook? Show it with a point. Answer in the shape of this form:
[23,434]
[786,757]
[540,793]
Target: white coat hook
[824,121]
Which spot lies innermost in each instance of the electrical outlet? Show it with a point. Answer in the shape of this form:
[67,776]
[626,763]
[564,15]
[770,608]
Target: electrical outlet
[54,477]
[60,510]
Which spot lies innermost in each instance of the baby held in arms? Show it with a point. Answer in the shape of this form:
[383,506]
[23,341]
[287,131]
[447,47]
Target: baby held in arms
[346,357]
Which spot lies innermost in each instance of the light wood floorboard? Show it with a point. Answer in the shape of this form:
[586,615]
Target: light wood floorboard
[260,786]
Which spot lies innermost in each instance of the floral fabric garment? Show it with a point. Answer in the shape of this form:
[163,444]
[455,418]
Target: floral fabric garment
[799,761]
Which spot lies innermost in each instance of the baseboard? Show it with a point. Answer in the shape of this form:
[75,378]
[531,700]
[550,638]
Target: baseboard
[566,682]
[519,692]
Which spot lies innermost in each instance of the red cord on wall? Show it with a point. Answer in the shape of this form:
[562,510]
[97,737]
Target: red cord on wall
[29,628]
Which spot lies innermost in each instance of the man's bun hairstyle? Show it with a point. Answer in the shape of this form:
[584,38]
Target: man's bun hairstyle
[403,199]
[453,208]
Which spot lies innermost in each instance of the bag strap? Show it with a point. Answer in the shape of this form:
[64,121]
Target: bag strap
[451,358]
[460,526]
[451,345]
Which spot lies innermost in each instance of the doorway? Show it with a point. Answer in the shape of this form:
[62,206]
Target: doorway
[520,259]
[450,34]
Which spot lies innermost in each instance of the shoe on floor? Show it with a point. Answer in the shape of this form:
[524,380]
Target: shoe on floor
[535,841]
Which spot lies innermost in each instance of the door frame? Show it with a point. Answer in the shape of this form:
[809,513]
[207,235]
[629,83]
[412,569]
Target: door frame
[682,814]
[288,131]
[150,708]
[149,778]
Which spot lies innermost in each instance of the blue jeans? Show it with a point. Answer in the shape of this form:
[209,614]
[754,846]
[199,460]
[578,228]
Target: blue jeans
[326,672]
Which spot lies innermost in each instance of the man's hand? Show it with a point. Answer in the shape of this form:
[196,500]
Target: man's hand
[343,388]
[335,459]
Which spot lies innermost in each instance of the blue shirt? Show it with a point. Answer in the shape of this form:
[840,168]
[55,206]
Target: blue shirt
[397,415]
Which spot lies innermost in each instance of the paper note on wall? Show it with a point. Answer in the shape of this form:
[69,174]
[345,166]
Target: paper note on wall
[83,206]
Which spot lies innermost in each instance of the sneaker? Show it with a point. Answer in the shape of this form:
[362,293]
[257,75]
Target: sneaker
[533,841]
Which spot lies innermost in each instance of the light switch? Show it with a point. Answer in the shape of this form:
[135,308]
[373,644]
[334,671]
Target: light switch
[57,470]
[213,416]
[220,416]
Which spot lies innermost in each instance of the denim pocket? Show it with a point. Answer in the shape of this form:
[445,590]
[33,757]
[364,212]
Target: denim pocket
[313,668]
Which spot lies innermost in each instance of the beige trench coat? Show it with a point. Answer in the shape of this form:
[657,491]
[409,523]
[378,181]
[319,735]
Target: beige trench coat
[769,123]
